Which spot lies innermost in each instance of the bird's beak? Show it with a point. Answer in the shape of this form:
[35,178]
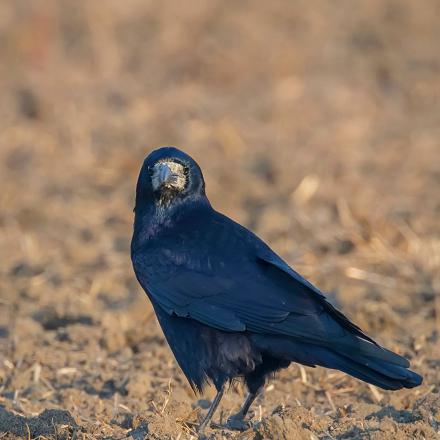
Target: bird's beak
[164,173]
[162,176]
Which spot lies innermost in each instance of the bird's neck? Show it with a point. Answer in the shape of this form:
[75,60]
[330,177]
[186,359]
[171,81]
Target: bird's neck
[157,218]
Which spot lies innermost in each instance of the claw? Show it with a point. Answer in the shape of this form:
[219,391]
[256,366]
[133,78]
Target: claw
[237,423]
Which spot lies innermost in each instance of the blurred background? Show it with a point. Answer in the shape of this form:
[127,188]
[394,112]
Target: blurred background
[317,125]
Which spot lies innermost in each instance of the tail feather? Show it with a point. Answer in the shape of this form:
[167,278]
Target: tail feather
[387,369]
[376,366]
[382,374]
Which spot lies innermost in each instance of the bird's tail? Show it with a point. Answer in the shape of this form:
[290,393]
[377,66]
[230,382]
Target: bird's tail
[366,361]
[381,373]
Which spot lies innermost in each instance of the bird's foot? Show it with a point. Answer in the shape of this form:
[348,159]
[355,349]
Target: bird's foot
[201,433]
[237,423]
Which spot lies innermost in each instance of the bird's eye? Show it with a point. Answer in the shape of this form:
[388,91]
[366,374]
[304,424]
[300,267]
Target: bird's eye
[150,170]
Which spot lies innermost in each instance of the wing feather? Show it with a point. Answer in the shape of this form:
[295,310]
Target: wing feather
[225,277]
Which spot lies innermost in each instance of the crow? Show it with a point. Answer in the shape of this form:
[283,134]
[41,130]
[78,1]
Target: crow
[228,305]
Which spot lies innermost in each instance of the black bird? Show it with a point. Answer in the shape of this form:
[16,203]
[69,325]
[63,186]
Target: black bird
[228,305]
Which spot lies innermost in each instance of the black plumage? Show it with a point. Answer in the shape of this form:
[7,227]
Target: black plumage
[228,305]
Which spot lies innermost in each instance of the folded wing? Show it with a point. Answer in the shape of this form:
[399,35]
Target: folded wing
[223,276]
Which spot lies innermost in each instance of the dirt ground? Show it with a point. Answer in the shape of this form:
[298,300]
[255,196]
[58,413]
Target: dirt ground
[317,125]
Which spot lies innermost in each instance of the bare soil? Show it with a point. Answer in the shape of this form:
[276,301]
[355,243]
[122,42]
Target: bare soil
[317,125]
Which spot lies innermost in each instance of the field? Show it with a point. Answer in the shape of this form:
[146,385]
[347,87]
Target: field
[317,125]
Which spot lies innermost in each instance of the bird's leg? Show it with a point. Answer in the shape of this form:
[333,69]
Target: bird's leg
[211,410]
[237,420]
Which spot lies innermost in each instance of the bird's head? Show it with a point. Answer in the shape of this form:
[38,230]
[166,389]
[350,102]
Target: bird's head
[168,175]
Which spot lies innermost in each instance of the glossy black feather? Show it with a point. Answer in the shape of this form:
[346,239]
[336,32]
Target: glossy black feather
[229,306]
